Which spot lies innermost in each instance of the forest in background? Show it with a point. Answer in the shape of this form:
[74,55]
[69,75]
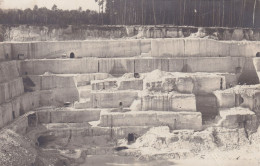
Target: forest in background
[201,13]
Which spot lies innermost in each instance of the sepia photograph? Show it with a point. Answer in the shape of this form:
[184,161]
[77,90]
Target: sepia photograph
[129,82]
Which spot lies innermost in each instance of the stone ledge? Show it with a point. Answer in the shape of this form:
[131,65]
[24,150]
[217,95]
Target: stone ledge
[175,120]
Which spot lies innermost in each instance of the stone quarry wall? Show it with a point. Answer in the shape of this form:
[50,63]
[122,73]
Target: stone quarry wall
[129,48]
[13,101]
[120,66]
[36,62]
[203,47]
[83,32]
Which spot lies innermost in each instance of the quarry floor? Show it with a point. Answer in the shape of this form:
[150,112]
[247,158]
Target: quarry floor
[196,148]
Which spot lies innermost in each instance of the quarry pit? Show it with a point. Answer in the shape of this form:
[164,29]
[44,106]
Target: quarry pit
[63,102]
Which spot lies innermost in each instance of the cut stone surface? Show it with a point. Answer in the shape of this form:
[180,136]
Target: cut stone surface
[118,84]
[168,102]
[8,71]
[238,117]
[58,96]
[84,92]
[85,79]
[84,130]
[82,104]
[111,99]
[244,96]
[134,84]
[197,83]
[11,89]
[17,107]
[104,84]
[208,83]
[68,115]
[175,120]
[59,66]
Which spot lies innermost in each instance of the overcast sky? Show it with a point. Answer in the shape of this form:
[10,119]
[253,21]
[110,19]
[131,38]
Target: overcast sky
[62,4]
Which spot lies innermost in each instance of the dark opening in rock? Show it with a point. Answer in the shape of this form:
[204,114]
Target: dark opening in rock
[44,140]
[238,70]
[62,162]
[21,112]
[120,103]
[221,83]
[258,54]
[13,115]
[121,148]
[238,100]
[72,55]
[28,84]
[136,75]
[241,100]
[186,69]
[67,104]
[207,104]
[20,57]
[131,138]
[32,120]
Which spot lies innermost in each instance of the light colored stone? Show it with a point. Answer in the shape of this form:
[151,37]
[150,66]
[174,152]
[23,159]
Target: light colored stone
[169,102]
[84,92]
[59,66]
[238,117]
[85,79]
[204,84]
[68,115]
[6,114]
[133,84]
[104,84]
[8,71]
[11,90]
[176,120]
[29,101]
[111,99]
[5,51]
[82,104]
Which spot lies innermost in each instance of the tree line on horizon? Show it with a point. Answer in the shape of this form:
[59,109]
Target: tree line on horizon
[205,13]
[45,16]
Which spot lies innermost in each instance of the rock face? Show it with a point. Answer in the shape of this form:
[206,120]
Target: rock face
[117,88]
[48,33]
[16,149]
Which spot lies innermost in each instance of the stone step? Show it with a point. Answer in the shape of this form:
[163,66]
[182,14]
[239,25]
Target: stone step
[175,120]
[85,79]
[145,54]
[238,117]
[113,99]
[118,84]
[83,104]
[11,89]
[68,115]
[84,91]
[121,66]
[256,62]
[197,83]
[108,84]
[168,102]
[86,130]
[241,95]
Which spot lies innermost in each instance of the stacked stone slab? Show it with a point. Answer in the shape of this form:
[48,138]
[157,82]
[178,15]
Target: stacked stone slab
[153,99]
[56,79]
[13,101]
[239,106]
